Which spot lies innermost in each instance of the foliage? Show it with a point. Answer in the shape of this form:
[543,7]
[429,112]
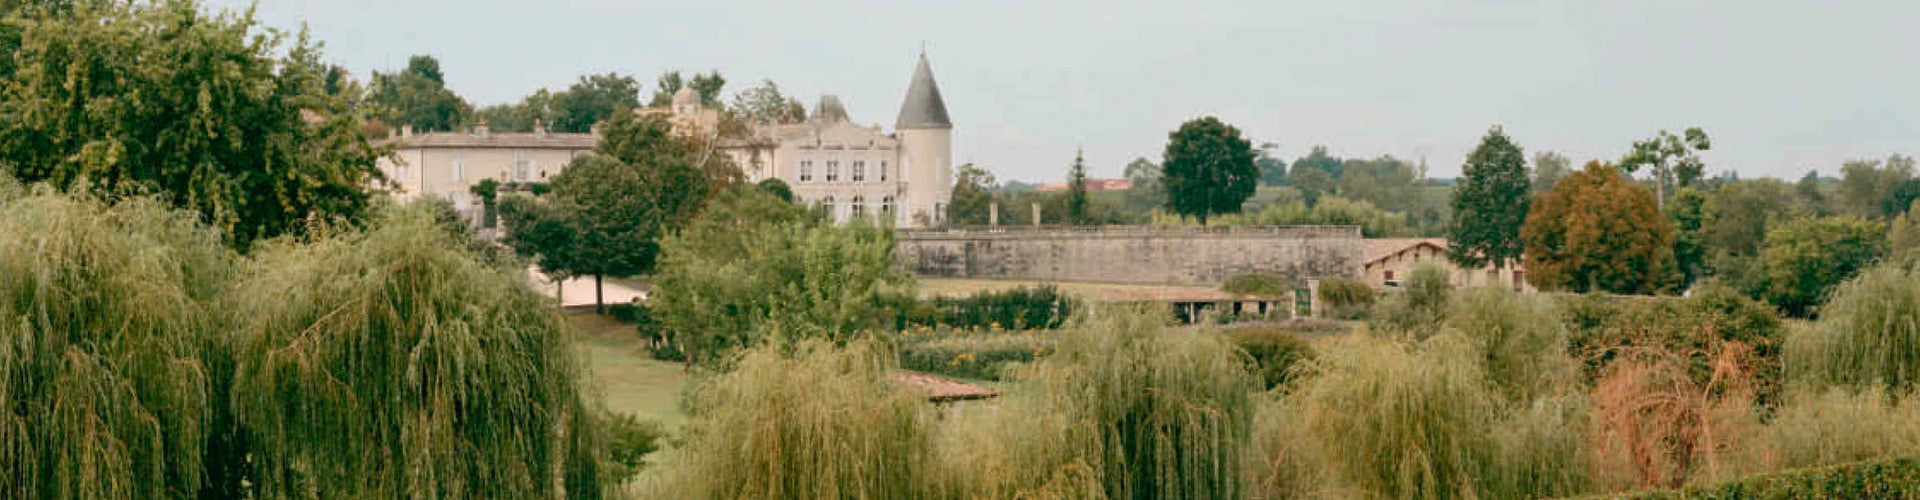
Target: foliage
[1273,170]
[1331,211]
[1603,329]
[196,107]
[824,422]
[1390,183]
[111,373]
[1147,193]
[778,188]
[1595,231]
[1893,478]
[1869,335]
[669,83]
[367,359]
[1152,414]
[1021,308]
[747,271]
[1548,168]
[417,96]
[1489,205]
[1517,339]
[1314,174]
[1687,211]
[1806,258]
[988,355]
[1258,285]
[1673,159]
[972,196]
[1876,189]
[1345,297]
[765,103]
[1841,425]
[1278,353]
[629,440]
[1667,426]
[1418,311]
[1077,190]
[1208,169]
[594,99]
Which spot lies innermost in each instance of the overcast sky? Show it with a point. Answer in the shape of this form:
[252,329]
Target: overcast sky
[1781,86]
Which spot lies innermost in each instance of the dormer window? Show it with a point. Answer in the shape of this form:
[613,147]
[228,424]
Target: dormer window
[859,171]
[833,169]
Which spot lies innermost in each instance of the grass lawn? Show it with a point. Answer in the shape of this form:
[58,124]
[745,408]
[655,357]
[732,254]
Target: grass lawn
[632,381]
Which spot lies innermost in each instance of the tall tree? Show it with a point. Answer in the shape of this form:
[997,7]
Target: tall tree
[1387,182]
[669,83]
[1208,168]
[1674,160]
[593,99]
[165,99]
[765,102]
[1688,214]
[1314,175]
[1077,190]
[972,195]
[1596,231]
[418,96]
[1877,189]
[1273,170]
[1548,168]
[1147,192]
[1805,258]
[1490,205]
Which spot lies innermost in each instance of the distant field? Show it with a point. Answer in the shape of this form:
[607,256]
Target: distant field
[938,287]
[632,381]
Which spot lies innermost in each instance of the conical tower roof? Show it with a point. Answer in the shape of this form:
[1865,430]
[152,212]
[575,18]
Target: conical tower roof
[923,108]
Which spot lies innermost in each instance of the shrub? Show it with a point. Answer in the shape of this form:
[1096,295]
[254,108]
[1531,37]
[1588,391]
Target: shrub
[1842,425]
[625,313]
[1805,258]
[114,368]
[1275,352]
[1655,419]
[1868,335]
[629,440]
[390,363]
[1695,328]
[1895,478]
[979,356]
[1146,413]
[1042,308]
[1518,339]
[1345,298]
[1397,423]
[1258,285]
[824,422]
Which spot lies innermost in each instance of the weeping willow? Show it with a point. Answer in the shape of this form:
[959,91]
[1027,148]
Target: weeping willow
[819,422]
[106,327]
[389,363]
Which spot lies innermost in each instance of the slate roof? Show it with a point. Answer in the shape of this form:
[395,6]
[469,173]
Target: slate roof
[923,108]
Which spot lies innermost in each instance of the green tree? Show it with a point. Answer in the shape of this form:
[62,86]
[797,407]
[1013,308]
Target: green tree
[1596,231]
[488,190]
[1390,183]
[972,196]
[593,99]
[1273,170]
[1688,213]
[1208,168]
[520,116]
[1314,175]
[778,188]
[1674,160]
[1490,205]
[623,210]
[165,99]
[1147,193]
[1805,258]
[1548,168]
[1876,189]
[765,102]
[418,96]
[1903,237]
[708,85]
[1077,190]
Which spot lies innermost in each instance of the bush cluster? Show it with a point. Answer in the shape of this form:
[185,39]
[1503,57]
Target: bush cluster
[973,355]
[1889,478]
[1601,328]
[1276,352]
[1024,308]
[1345,298]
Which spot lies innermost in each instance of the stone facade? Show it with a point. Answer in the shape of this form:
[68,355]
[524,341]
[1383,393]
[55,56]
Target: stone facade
[1390,261]
[1133,254]
[447,164]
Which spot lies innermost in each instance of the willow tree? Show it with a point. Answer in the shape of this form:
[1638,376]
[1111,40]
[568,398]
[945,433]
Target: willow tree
[390,363]
[106,326]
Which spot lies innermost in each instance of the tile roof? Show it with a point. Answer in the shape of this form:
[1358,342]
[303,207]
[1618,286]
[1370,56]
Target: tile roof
[1381,248]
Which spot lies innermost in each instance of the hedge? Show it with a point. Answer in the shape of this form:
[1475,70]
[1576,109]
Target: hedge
[979,356]
[1890,478]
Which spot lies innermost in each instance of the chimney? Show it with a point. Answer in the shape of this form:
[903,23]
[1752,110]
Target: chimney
[539,129]
[480,130]
[406,130]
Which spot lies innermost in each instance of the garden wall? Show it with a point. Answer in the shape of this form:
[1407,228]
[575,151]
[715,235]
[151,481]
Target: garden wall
[1204,256]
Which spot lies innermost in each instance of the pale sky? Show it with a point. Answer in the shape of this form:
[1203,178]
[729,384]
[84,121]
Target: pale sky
[1781,86]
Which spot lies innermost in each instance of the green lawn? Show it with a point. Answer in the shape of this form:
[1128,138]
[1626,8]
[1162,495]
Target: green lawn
[632,381]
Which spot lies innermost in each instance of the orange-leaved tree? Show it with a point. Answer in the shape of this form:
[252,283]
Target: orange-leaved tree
[1596,230]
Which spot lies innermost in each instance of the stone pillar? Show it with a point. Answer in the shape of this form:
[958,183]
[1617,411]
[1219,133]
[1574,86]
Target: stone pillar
[993,214]
[1036,214]
[1313,298]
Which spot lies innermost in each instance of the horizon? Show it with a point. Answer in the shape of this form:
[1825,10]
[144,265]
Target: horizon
[1781,88]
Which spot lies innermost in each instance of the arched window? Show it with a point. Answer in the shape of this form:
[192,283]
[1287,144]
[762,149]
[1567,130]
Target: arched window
[833,169]
[806,170]
[859,204]
[859,171]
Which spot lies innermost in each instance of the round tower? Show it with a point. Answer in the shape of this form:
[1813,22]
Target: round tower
[926,151]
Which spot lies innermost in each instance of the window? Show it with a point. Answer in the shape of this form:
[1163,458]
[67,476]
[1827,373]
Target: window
[1389,275]
[459,168]
[833,169]
[806,170]
[859,171]
[826,204]
[883,171]
[522,167]
[886,206]
[859,203]
[939,212]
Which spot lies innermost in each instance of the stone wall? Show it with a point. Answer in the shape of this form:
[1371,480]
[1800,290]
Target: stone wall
[1204,256]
